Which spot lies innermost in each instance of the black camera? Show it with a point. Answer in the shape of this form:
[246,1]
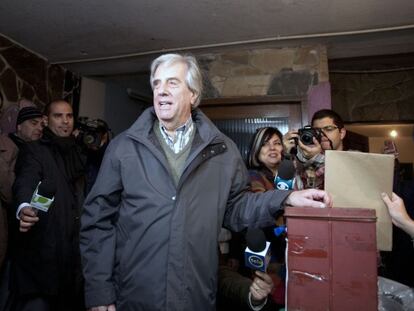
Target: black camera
[91,132]
[307,133]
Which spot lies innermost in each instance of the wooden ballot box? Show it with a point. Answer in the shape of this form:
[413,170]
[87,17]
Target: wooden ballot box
[331,259]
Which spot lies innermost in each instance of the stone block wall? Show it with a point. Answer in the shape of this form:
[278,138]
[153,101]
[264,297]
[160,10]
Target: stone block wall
[375,96]
[26,75]
[261,72]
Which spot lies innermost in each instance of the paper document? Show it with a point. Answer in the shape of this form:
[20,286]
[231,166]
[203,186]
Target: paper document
[357,179]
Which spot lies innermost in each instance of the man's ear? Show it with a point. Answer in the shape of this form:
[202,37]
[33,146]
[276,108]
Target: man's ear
[193,99]
[45,120]
[343,133]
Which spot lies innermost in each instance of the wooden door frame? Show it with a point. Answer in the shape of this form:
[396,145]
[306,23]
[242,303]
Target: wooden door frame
[273,102]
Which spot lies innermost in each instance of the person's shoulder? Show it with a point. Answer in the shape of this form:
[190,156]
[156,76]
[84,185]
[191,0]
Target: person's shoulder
[254,173]
[120,144]
[6,143]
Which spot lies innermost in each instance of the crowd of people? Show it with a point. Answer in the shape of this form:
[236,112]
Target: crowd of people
[144,232]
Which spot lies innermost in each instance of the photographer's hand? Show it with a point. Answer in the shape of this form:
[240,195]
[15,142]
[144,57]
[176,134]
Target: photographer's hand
[309,151]
[289,140]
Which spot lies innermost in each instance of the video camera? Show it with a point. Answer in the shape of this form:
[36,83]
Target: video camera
[91,132]
[307,133]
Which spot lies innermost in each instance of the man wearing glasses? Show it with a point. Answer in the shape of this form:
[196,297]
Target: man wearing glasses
[330,133]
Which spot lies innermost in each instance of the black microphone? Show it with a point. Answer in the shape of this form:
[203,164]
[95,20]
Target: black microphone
[285,178]
[43,196]
[257,253]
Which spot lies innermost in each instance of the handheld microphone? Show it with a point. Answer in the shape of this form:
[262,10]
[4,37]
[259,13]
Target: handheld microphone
[257,253]
[285,178]
[43,196]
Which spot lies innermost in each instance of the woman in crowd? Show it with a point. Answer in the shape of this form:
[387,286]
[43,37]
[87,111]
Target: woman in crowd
[266,154]
[264,158]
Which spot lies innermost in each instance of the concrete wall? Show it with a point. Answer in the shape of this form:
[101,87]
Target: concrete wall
[107,99]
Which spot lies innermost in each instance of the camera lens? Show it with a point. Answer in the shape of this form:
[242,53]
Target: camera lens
[307,138]
[89,139]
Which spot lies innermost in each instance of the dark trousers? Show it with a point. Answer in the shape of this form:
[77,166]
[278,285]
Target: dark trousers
[34,304]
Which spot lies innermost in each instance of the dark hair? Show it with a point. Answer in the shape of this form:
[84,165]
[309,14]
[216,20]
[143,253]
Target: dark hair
[260,138]
[328,113]
[47,109]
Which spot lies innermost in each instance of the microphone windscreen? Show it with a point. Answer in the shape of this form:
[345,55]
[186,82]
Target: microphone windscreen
[286,170]
[47,189]
[256,240]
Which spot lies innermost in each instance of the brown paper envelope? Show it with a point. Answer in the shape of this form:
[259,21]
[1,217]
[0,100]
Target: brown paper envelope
[357,179]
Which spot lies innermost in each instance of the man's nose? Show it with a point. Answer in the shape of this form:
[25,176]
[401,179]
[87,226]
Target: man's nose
[162,89]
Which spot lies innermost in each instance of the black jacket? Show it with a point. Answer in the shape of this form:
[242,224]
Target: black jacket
[45,260]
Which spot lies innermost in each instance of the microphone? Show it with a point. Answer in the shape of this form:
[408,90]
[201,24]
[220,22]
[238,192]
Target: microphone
[43,196]
[285,178]
[257,253]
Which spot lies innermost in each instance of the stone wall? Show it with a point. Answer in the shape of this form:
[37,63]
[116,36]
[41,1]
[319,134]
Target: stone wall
[375,96]
[25,75]
[261,72]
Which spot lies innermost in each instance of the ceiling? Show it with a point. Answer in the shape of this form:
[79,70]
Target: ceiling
[108,37]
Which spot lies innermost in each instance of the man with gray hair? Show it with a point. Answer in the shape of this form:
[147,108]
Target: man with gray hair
[150,225]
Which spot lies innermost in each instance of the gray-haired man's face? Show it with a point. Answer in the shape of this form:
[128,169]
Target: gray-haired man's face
[172,97]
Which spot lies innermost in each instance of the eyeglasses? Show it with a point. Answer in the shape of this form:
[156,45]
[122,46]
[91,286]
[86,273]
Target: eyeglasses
[327,129]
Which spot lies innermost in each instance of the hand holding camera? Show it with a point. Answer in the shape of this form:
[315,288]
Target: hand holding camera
[92,133]
[307,138]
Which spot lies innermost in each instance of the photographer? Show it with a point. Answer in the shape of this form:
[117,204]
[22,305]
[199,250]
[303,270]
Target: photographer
[94,136]
[308,145]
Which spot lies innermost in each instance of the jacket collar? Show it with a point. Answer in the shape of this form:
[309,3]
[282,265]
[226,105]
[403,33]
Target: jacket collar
[143,126]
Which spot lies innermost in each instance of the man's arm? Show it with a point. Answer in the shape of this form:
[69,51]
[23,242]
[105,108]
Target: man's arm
[398,213]
[8,155]
[260,288]
[247,209]
[28,175]
[98,236]
[237,290]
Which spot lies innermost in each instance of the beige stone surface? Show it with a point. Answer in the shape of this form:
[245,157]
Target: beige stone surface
[307,56]
[323,71]
[245,71]
[271,61]
[220,68]
[218,83]
[246,86]
[249,72]
[239,57]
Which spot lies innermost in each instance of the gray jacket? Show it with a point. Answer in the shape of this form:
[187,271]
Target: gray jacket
[147,244]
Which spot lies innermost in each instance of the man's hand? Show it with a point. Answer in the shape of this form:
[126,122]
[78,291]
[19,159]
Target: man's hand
[28,218]
[103,308]
[309,198]
[398,213]
[261,287]
[309,151]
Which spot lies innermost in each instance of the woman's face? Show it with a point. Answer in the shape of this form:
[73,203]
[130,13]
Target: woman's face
[271,152]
